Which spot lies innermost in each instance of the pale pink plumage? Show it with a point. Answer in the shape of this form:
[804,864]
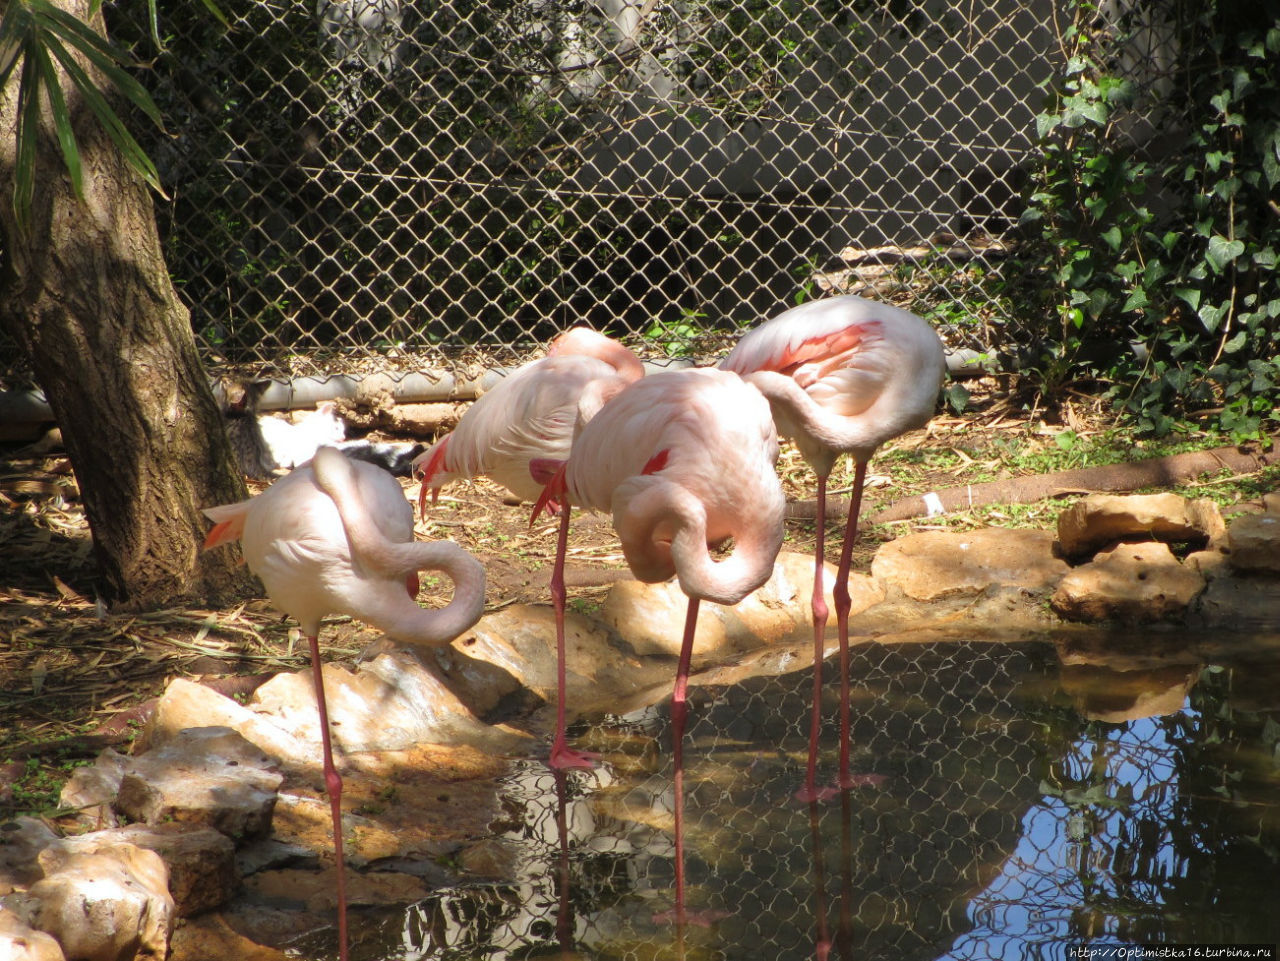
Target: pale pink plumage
[336,537]
[843,375]
[530,415]
[684,460]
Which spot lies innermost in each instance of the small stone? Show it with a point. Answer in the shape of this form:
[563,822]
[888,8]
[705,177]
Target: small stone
[1254,541]
[91,790]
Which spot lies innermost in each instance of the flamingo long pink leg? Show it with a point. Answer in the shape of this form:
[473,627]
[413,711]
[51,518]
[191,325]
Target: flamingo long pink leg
[822,941]
[333,786]
[679,714]
[843,604]
[810,791]
[562,756]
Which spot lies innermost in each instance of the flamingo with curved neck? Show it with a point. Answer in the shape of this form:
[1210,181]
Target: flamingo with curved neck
[336,537]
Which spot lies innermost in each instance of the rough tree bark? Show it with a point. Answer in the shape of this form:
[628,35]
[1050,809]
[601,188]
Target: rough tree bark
[86,293]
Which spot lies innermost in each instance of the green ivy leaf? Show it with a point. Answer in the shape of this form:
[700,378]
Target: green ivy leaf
[1221,252]
[1136,300]
[1235,343]
[1211,316]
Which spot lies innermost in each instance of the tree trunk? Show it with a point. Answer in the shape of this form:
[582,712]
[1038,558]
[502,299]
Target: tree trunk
[88,296]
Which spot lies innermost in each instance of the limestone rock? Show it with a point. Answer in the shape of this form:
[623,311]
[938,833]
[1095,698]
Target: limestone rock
[187,705]
[201,862]
[937,564]
[650,617]
[92,789]
[206,776]
[103,900]
[1209,563]
[1101,520]
[201,939]
[389,703]
[21,942]
[21,842]
[1254,541]
[784,606]
[520,642]
[1131,582]
[1244,603]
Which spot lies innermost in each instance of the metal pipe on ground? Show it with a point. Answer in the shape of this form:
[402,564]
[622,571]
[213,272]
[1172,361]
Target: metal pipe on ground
[29,407]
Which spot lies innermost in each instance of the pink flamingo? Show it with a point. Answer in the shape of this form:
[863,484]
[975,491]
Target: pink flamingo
[843,375]
[336,537]
[684,460]
[530,415]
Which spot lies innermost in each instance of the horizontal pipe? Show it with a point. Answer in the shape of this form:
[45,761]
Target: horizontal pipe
[414,387]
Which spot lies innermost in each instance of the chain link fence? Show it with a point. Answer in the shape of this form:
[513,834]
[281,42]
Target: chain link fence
[396,183]
[377,184]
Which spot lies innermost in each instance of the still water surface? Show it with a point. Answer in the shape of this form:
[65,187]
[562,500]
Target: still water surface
[1016,801]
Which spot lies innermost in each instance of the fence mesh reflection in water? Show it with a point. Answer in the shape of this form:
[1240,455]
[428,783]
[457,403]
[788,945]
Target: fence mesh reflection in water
[932,814]
[996,816]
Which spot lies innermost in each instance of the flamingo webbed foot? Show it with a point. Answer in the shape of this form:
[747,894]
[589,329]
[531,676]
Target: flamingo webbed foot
[699,919]
[564,757]
[848,781]
[811,793]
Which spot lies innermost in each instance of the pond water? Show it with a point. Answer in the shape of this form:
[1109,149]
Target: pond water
[1016,804]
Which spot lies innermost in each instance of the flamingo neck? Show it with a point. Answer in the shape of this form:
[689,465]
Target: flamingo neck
[663,529]
[384,602]
[747,568]
[820,434]
[399,615]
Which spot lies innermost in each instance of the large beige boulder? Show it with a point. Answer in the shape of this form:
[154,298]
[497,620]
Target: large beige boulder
[103,899]
[388,703]
[515,649]
[934,565]
[650,618]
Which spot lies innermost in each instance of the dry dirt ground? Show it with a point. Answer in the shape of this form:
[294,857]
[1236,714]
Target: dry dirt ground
[75,678]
